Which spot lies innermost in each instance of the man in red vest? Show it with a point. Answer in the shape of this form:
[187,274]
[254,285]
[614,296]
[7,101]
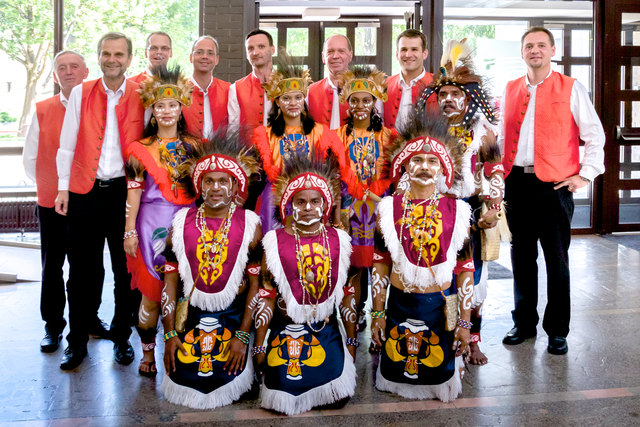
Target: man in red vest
[40,147]
[103,116]
[403,89]
[545,116]
[248,105]
[208,109]
[323,100]
[158,51]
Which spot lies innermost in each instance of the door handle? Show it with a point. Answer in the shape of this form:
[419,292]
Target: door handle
[635,136]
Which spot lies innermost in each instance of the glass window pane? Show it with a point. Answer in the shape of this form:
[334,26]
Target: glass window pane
[631,29]
[274,33]
[334,31]
[581,43]
[582,73]
[298,41]
[635,114]
[398,26]
[558,38]
[366,41]
[629,210]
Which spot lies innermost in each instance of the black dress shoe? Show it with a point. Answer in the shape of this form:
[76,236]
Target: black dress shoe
[557,345]
[100,329]
[73,357]
[517,335]
[123,352]
[50,342]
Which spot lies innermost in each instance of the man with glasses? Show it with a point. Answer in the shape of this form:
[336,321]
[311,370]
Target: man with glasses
[158,51]
[208,109]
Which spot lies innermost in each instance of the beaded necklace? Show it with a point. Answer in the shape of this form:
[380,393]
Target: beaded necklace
[291,146]
[423,227]
[219,241]
[171,158]
[309,278]
[365,156]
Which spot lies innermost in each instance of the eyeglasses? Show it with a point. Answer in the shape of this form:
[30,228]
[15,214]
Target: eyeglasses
[161,49]
[201,52]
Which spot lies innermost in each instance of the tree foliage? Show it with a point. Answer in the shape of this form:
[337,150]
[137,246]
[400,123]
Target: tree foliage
[26,29]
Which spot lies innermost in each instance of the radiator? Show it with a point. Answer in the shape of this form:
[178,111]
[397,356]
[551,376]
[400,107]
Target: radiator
[18,215]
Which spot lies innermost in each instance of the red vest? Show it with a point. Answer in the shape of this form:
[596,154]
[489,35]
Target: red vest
[194,114]
[50,114]
[250,94]
[93,119]
[139,78]
[556,135]
[321,103]
[394,93]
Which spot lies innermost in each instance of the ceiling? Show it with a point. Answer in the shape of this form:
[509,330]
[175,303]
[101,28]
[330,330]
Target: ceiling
[452,8]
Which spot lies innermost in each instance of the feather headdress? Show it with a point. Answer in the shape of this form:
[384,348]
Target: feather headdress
[362,78]
[426,134]
[222,152]
[166,83]
[456,69]
[288,77]
[307,173]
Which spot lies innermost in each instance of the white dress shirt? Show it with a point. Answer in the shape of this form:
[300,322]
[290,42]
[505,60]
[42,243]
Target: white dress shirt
[587,120]
[111,164]
[207,122]
[334,123]
[30,150]
[406,100]
[233,108]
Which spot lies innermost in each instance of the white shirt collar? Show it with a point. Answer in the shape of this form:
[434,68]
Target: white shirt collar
[198,86]
[334,87]
[529,83]
[414,81]
[63,99]
[120,90]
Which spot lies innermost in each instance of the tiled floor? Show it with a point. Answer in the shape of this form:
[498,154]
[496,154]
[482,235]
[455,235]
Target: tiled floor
[596,383]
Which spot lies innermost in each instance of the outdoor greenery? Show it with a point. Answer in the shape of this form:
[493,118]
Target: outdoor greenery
[26,33]
[6,118]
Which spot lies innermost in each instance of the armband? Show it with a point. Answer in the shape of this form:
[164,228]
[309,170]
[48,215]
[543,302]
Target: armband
[170,267]
[243,337]
[171,334]
[134,185]
[491,168]
[464,265]
[349,290]
[253,270]
[382,257]
[464,324]
[265,293]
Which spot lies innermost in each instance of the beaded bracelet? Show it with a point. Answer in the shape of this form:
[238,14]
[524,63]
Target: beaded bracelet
[130,233]
[169,335]
[496,206]
[353,341]
[464,324]
[243,337]
[258,350]
[378,314]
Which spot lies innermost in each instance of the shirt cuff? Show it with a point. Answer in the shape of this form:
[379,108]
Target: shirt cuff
[63,184]
[589,172]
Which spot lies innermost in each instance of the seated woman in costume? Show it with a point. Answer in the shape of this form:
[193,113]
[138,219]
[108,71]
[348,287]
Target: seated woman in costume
[154,196]
[291,132]
[365,141]
[307,361]
[421,241]
[205,310]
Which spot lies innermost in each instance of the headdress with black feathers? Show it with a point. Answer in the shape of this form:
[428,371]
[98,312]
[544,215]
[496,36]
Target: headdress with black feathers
[288,77]
[362,78]
[166,83]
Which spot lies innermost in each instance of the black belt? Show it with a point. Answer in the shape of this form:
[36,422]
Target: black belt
[104,183]
[525,169]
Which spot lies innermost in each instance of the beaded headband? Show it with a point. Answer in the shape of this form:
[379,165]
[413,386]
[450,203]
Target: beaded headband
[219,163]
[424,145]
[277,85]
[374,85]
[306,181]
[166,84]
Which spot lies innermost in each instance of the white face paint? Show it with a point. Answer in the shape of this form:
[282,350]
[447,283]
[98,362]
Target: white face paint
[297,212]
[167,112]
[225,186]
[291,104]
[360,105]
[424,169]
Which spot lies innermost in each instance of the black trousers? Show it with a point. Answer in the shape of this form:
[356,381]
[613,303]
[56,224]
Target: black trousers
[535,211]
[94,217]
[53,251]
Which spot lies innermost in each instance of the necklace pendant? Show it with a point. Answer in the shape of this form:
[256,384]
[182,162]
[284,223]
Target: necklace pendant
[365,163]
[309,276]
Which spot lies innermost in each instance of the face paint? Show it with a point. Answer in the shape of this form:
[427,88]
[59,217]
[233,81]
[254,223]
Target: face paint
[297,212]
[360,109]
[349,313]
[425,172]
[291,104]
[455,105]
[167,112]
[226,189]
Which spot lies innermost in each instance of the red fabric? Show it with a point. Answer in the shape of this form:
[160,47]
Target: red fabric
[349,290]
[394,93]
[382,257]
[139,78]
[170,267]
[160,175]
[253,270]
[475,337]
[93,119]
[133,184]
[50,113]
[148,285]
[250,95]
[320,103]
[490,168]
[362,256]
[556,143]
[218,95]
[266,293]
[464,265]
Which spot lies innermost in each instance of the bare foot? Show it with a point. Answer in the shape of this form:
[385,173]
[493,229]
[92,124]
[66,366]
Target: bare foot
[147,367]
[477,357]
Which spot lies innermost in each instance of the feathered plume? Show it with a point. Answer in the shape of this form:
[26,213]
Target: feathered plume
[288,77]
[362,78]
[166,83]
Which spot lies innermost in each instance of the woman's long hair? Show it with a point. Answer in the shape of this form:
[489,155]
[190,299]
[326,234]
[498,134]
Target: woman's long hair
[276,120]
